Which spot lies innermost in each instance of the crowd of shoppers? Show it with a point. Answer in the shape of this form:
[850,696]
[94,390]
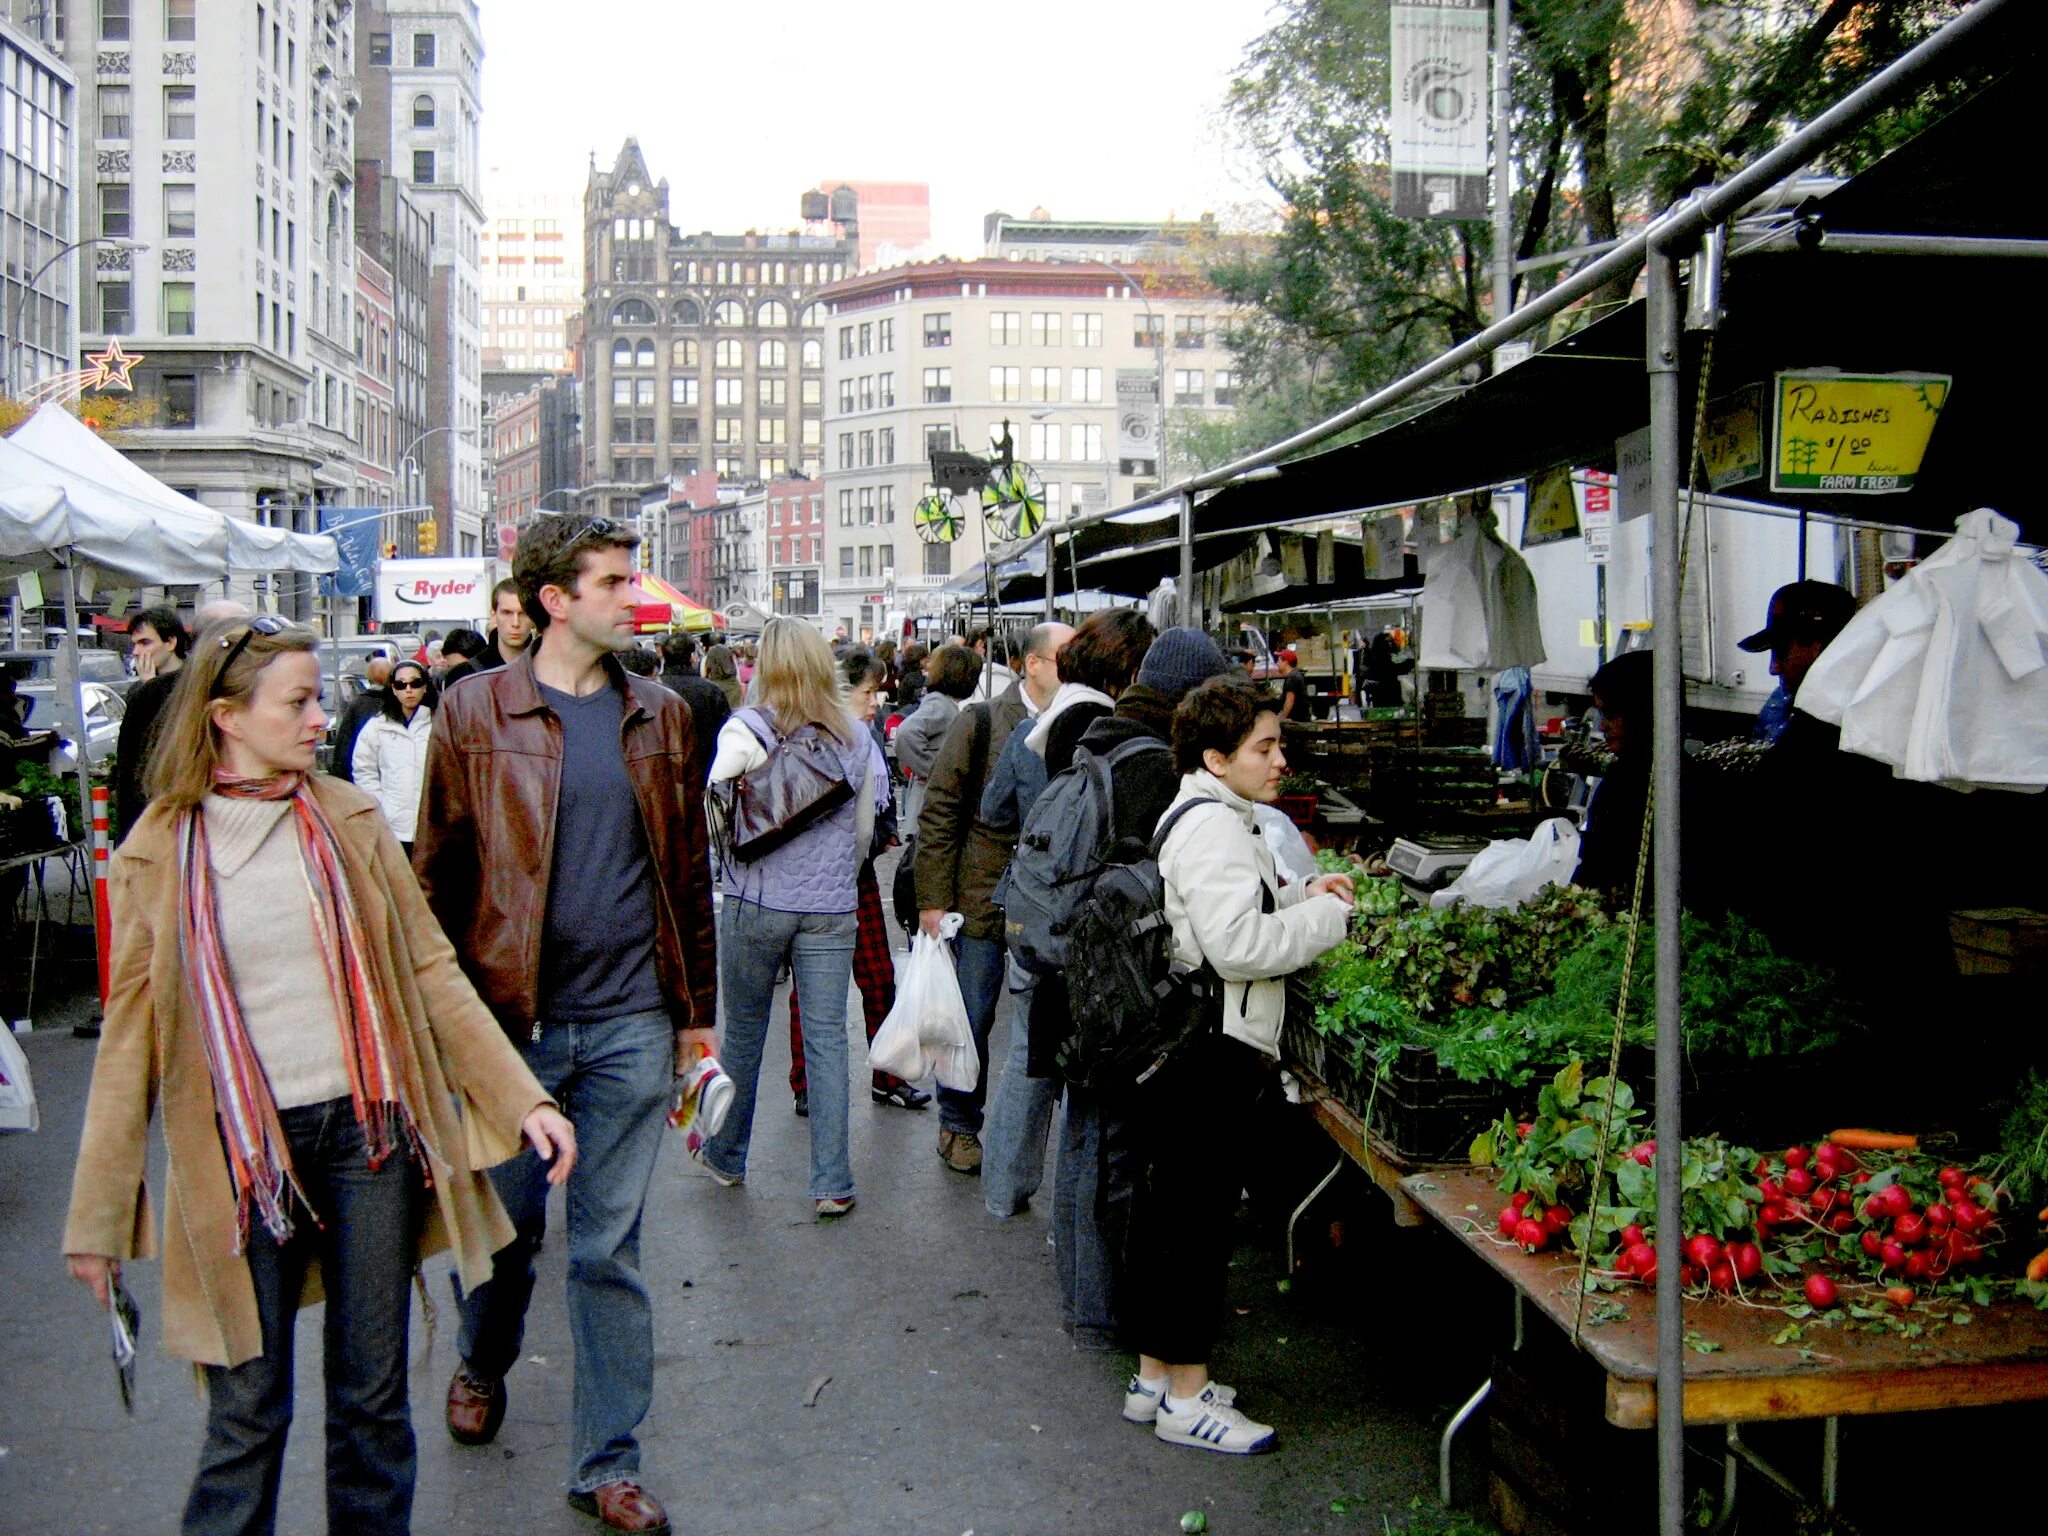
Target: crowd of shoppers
[362,1011]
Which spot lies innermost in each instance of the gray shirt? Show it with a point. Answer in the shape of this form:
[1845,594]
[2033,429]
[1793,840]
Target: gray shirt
[597,946]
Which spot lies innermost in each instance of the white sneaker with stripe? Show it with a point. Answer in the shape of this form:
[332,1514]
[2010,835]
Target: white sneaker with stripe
[1210,1424]
[1141,1398]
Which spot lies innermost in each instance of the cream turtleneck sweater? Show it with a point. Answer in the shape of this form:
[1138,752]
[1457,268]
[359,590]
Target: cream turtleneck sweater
[273,957]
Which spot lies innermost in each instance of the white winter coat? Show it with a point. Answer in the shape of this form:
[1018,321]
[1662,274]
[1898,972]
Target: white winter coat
[1212,865]
[1945,676]
[390,765]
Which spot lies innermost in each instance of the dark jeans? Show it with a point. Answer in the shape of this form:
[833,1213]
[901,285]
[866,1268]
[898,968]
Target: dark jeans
[366,1239]
[979,963]
[1091,1216]
[612,1079]
[1189,1174]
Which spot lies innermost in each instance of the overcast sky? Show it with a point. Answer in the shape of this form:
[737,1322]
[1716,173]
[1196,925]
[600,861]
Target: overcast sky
[1092,108]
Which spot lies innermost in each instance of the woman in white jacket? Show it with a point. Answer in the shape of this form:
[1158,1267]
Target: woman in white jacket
[390,759]
[1231,914]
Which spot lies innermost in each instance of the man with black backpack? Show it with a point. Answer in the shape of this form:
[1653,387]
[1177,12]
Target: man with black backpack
[959,860]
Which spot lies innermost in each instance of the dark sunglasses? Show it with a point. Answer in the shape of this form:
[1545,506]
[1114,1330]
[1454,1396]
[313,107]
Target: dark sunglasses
[410,683]
[603,527]
[262,624]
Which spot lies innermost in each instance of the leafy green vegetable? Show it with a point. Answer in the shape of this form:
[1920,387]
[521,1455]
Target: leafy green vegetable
[2024,1141]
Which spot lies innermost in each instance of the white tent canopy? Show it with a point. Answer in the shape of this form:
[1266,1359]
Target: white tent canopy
[75,451]
[45,526]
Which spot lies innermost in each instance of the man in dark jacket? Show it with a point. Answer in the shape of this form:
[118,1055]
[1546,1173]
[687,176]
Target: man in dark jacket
[511,629]
[959,860]
[160,645]
[358,713]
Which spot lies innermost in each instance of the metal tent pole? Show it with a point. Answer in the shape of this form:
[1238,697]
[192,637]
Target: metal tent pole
[78,723]
[1667,654]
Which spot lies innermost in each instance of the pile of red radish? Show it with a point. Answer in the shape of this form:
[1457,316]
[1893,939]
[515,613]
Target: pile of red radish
[1532,1226]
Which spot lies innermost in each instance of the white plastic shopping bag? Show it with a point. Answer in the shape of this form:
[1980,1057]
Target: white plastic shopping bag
[18,1109]
[927,1032]
[1514,870]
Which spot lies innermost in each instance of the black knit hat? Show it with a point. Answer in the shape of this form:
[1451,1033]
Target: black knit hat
[1179,659]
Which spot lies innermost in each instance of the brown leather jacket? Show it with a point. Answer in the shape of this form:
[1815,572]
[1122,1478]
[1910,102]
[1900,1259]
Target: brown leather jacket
[485,845]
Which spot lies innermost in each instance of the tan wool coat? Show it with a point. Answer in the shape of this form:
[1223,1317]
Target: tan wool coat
[465,1082]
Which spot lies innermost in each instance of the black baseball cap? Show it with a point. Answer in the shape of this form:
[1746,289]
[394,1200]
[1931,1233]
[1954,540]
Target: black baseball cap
[1806,610]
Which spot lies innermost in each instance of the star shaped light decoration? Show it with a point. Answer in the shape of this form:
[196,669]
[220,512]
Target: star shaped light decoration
[110,368]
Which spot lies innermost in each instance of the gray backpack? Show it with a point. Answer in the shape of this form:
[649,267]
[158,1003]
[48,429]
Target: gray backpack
[1064,842]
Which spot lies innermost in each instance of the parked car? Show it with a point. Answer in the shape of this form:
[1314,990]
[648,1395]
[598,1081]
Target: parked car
[103,710]
[94,666]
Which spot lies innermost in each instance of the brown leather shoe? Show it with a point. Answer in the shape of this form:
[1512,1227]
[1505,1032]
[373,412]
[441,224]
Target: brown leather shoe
[961,1152]
[476,1408]
[623,1507]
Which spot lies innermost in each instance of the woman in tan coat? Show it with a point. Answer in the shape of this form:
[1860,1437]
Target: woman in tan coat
[280,989]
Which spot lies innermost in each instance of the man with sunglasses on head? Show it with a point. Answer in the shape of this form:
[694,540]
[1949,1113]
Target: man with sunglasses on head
[562,845]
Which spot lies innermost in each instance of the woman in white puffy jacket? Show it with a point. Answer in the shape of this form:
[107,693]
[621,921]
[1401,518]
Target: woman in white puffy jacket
[391,752]
[1230,912]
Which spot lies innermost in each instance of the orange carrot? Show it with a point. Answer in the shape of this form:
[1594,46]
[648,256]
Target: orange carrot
[2037,1266]
[1874,1141]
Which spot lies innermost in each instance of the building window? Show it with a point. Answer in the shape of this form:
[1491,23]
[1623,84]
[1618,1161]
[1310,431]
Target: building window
[845,341]
[846,509]
[1045,442]
[938,330]
[1087,330]
[772,315]
[885,496]
[867,392]
[1226,386]
[771,392]
[774,354]
[728,312]
[380,49]
[682,391]
[846,450]
[1045,328]
[867,340]
[181,399]
[1190,332]
[728,392]
[885,446]
[1045,386]
[643,391]
[1084,386]
[643,355]
[938,386]
[423,111]
[181,24]
[115,219]
[728,430]
[1187,386]
[846,564]
[117,309]
[814,353]
[867,450]
[867,560]
[116,105]
[114,21]
[683,353]
[1148,331]
[181,213]
[727,354]
[423,167]
[846,397]
[423,50]
[178,316]
[938,559]
[1086,443]
[885,335]
[885,390]
[181,111]
[938,438]
[1005,328]
[867,508]
[812,392]
[622,391]
[1006,383]
[814,432]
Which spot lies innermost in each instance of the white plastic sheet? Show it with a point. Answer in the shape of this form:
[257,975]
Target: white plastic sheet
[1514,870]
[927,1033]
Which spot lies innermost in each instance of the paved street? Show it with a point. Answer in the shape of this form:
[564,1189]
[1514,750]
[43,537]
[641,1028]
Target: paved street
[955,1403]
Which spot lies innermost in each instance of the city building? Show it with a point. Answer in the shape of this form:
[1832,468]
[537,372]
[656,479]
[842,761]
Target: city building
[700,352]
[221,201]
[38,213]
[533,464]
[794,537]
[1041,237]
[941,355]
[391,233]
[376,403]
[894,220]
[422,102]
[532,274]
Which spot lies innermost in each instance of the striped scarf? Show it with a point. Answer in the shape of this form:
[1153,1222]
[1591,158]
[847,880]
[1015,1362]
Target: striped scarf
[257,1151]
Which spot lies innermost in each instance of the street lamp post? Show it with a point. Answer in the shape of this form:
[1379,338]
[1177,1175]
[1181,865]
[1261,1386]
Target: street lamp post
[119,242]
[409,467]
[1157,327]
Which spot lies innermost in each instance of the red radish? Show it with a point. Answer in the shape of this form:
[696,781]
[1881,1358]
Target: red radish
[1820,1290]
[1795,1157]
[1828,1155]
[1798,1182]
[1893,1255]
[1938,1217]
[1748,1260]
[1522,1129]
[1722,1276]
[1949,1176]
[1643,1152]
[1962,1248]
[1693,1276]
[1771,1190]
[1510,1218]
[1557,1218]
[1703,1250]
[1969,1215]
[1533,1211]
[1842,1221]
[1641,1261]
[1899,1295]
[1520,1198]
[1875,1208]
[1824,1200]
[1631,1235]
[1910,1229]
[1918,1265]
[1897,1199]
[1873,1244]
[1532,1235]
[1862,1178]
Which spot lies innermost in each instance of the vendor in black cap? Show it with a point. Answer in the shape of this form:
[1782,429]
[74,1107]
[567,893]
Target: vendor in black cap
[1804,618]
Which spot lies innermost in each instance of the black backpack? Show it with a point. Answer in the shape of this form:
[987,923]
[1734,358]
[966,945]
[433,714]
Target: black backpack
[1133,1005]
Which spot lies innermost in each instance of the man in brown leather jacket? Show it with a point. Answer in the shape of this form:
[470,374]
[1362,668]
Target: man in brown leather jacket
[562,846]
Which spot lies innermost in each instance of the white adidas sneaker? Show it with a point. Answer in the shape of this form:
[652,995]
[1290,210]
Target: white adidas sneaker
[1141,1398]
[1210,1424]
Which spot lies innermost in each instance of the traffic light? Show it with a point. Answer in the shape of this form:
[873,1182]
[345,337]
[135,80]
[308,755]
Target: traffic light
[430,538]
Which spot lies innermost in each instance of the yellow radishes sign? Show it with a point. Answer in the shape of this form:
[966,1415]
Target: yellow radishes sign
[1859,433]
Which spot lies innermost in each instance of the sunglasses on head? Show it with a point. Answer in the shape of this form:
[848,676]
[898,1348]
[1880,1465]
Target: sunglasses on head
[603,527]
[234,645]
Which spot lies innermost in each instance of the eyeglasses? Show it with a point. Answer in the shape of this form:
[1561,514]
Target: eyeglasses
[603,527]
[262,624]
[411,685]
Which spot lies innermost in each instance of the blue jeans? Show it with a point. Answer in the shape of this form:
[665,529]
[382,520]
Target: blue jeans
[1091,1205]
[1013,1151]
[979,963]
[366,1238]
[613,1079]
[752,941]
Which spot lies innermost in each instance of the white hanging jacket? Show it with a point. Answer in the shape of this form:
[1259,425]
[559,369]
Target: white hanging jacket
[1478,602]
[1945,677]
